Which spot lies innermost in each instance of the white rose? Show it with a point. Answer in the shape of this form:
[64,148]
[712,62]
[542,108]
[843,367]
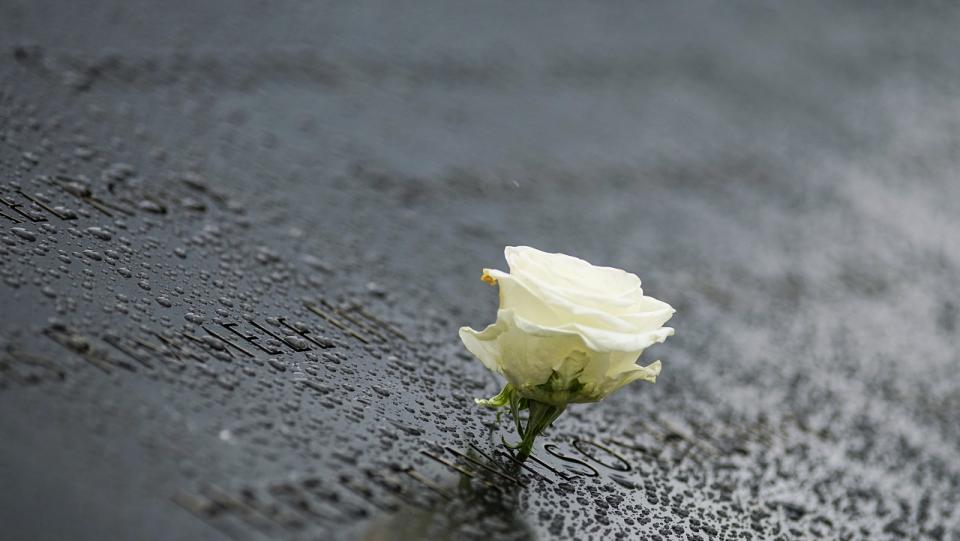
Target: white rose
[566,331]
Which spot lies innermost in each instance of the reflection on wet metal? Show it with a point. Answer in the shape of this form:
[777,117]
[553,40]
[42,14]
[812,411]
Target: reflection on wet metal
[366,494]
[227,342]
[586,458]
[115,342]
[82,347]
[10,363]
[486,467]
[428,483]
[228,502]
[196,340]
[377,321]
[332,506]
[534,458]
[642,449]
[363,326]
[282,340]
[335,322]
[169,355]
[104,207]
[579,443]
[252,339]
[297,499]
[174,349]
[459,469]
[14,206]
[552,449]
[522,464]
[305,334]
[11,218]
[45,207]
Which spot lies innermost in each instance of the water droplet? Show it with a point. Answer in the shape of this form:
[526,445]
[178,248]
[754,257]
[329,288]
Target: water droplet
[23,233]
[100,233]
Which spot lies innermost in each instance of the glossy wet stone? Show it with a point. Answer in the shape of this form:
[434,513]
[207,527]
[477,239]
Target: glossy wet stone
[238,241]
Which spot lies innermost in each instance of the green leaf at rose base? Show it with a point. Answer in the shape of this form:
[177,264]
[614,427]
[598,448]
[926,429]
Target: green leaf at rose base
[541,414]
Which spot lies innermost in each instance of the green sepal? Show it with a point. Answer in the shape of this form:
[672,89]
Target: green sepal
[541,416]
[498,401]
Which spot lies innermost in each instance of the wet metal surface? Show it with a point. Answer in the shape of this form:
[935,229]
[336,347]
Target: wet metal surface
[236,242]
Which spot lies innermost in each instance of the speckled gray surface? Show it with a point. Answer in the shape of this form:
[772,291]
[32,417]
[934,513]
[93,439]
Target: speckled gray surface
[238,239]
